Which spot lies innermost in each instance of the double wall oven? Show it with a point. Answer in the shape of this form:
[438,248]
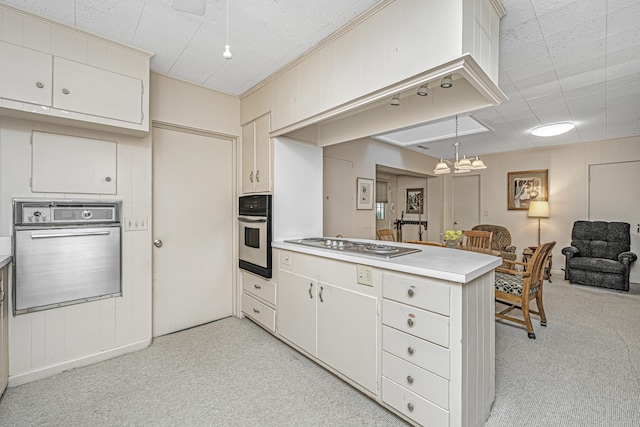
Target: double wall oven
[255,222]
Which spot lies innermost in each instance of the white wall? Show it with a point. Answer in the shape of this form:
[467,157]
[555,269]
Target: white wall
[568,167]
[364,155]
[47,342]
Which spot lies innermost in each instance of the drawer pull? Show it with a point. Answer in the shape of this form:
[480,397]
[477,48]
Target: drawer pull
[39,85]
[255,310]
[410,406]
[257,286]
[410,350]
[409,379]
[66,91]
[410,292]
[410,322]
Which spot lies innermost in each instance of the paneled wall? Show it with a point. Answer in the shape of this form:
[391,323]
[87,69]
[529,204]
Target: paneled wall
[47,342]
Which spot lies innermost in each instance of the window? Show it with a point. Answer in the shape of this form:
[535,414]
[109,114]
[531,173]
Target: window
[380,208]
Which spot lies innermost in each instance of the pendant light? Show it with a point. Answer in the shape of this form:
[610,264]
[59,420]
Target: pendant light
[227,49]
[459,165]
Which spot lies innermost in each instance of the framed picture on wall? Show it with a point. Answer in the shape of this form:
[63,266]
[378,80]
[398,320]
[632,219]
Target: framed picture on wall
[415,201]
[525,187]
[364,193]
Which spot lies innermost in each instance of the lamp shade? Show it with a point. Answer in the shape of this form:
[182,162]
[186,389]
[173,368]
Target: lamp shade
[539,209]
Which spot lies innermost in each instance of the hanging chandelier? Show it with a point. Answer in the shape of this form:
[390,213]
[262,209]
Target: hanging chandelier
[459,165]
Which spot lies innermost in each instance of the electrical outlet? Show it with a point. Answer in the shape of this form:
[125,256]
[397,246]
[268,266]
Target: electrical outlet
[365,275]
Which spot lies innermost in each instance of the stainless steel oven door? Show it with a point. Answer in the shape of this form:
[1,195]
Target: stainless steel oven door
[253,240]
[61,266]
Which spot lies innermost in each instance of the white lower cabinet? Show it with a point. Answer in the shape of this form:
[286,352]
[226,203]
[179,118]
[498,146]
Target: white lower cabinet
[335,325]
[259,300]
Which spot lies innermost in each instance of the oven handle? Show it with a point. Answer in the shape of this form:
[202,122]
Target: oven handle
[251,220]
[92,233]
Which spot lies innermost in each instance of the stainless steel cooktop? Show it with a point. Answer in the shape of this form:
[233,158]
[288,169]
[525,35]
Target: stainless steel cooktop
[362,248]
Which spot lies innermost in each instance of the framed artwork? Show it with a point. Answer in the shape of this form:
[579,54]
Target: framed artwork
[525,187]
[415,201]
[365,194]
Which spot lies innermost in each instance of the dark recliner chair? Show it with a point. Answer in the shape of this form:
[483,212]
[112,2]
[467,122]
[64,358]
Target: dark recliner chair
[599,254]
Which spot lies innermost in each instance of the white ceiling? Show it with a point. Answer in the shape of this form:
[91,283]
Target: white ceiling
[560,60]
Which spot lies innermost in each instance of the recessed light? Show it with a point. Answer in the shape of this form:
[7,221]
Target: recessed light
[553,129]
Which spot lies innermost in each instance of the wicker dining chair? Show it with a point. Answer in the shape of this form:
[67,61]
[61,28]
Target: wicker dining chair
[386,234]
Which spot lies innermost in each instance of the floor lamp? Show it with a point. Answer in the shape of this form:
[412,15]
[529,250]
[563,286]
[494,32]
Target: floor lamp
[539,210]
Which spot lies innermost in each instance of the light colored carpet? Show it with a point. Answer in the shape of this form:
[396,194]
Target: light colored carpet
[582,370]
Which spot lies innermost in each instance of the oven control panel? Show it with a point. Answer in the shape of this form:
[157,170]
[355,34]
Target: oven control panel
[33,215]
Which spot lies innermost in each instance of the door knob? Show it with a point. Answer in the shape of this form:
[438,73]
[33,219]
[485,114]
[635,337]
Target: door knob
[157,243]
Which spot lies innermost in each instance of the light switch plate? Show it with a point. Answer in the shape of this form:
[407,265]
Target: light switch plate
[135,223]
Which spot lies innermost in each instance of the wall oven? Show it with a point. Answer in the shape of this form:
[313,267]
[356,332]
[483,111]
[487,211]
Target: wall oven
[254,219]
[65,252]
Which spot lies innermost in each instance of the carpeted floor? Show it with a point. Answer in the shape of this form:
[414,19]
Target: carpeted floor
[582,370]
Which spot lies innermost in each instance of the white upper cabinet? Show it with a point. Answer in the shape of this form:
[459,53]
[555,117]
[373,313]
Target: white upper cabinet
[256,156]
[25,75]
[53,73]
[82,88]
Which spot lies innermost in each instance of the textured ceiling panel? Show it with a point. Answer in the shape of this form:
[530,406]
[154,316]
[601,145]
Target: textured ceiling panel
[559,59]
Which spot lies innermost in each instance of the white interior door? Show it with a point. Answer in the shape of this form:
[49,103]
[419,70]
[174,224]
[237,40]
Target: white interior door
[193,205]
[465,201]
[614,195]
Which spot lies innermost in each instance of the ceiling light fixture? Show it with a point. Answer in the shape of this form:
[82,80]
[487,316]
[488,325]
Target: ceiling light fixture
[422,90]
[395,100]
[459,165]
[446,82]
[227,49]
[553,129]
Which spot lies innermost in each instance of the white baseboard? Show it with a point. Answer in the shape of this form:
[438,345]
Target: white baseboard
[38,374]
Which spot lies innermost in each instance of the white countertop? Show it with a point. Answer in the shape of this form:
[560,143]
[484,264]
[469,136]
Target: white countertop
[455,265]
[5,251]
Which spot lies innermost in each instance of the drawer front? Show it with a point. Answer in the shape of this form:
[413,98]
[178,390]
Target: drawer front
[412,320]
[422,353]
[259,287]
[412,405]
[420,381]
[259,312]
[428,294]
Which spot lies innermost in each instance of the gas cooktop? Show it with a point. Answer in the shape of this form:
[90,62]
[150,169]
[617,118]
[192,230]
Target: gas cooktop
[362,248]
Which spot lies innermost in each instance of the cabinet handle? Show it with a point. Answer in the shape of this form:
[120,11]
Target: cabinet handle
[251,176]
[39,85]
[258,176]
[65,91]
[409,379]
[108,179]
[255,310]
[410,322]
[310,288]
[410,292]
[257,286]
[320,294]
[410,350]
[410,406]
[2,296]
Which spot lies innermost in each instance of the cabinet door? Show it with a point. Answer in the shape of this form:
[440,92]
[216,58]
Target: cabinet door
[347,337]
[263,154]
[90,90]
[297,310]
[248,157]
[25,75]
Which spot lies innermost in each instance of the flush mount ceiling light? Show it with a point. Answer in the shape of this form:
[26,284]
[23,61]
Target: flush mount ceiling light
[446,82]
[227,49]
[553,129]
[395,100]
[459,165]
[422,90]
[195,7]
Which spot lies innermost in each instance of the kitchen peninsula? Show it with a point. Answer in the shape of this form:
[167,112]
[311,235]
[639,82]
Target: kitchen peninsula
[413,331]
